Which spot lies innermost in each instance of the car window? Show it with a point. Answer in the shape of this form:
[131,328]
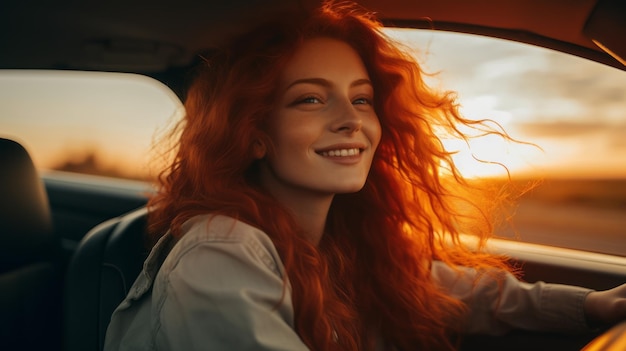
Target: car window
[570,108]
[86,122]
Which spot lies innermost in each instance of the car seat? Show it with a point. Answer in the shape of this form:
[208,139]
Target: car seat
[102,269]
[30,257]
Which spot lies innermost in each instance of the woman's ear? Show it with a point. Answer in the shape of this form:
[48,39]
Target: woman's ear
[258,149]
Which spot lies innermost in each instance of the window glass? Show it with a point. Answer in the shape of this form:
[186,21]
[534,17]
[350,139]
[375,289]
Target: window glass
[571,108]
[86,122]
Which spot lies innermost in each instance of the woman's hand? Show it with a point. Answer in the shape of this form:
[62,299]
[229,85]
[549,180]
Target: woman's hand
[606,307]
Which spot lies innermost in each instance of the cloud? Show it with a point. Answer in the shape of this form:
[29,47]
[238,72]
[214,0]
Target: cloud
[561,129]
[597,90]
[611,137]
[573,107]
[532,83]
[618,139]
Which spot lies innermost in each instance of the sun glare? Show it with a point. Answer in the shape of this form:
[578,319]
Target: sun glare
[490,155]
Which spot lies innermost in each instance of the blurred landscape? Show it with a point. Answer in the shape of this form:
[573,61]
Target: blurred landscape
[92,163]
[586,214]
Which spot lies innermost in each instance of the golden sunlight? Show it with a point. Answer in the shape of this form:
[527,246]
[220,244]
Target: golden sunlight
[491,155]
[566,113]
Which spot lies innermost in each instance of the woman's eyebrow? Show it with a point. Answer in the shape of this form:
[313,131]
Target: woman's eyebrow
[362,81]
[317,81]
[326,83]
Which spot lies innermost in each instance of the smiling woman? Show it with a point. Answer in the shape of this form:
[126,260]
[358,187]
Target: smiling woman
[314,145]
[249,266]
[305,208]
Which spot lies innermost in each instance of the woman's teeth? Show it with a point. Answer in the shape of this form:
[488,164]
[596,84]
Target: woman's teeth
[341,152]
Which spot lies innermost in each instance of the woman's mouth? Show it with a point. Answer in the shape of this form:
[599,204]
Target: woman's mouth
[341,152]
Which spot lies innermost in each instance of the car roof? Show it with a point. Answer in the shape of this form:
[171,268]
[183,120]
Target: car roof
[163,38]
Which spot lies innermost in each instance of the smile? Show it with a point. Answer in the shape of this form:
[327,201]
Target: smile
[341,152]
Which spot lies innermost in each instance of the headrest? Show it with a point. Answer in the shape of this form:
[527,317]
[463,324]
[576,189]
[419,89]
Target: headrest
[25,226]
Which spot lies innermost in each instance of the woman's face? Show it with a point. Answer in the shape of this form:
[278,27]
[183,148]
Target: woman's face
[324,128]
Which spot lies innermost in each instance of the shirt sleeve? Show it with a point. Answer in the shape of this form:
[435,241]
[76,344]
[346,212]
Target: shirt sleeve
[225,295]
[498,302]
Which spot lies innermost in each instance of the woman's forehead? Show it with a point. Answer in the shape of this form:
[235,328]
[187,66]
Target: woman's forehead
[326,58]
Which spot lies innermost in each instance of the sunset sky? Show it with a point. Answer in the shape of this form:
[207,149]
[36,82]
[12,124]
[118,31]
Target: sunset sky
[574,109]
[577,114]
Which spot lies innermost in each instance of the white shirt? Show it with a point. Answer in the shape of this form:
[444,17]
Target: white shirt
[221,288]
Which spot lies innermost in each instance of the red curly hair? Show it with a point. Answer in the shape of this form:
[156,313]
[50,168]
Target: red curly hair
[369,276]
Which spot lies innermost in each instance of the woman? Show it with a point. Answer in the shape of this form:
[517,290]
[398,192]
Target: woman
[307,204]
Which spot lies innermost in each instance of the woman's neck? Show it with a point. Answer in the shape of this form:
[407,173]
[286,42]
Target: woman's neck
[310,210]
[311,218]
[309,207]
[310,213]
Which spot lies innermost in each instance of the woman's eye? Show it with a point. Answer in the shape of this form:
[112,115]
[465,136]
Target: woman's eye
[309,100]
[362,101]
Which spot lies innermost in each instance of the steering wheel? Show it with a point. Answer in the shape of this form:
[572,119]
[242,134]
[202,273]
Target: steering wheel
[613,339]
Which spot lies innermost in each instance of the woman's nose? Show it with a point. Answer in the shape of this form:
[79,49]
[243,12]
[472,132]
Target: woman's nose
[347,121]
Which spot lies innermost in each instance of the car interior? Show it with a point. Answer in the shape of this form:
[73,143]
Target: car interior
[31,269]
[71,248]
